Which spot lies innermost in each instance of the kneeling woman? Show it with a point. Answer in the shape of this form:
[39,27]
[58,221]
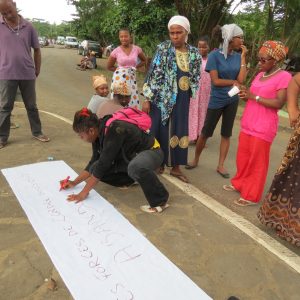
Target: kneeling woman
[259,124]
[122,154]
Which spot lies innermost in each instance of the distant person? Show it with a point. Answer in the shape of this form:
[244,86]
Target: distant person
[88,62]
[227,68]
[121,99]
[85,45]
[198,106]
[123,61]
[101,92]
[259,123]
[122,154]
[172,79]
[18,69]
[93,59]
[280,209]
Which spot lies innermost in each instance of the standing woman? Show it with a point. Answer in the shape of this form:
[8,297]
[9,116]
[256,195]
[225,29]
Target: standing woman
[198,106]
[126,57]
[281,207]
[227,68]
[259,123]
[172,79]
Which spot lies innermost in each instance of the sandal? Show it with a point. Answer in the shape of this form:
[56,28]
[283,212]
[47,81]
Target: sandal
[229,187]
[180,176]
[190,167]
[243,202]
[224,175]
[126,187]
[153,210]
[42,138]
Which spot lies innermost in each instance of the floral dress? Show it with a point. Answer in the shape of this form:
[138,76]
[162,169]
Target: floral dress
[172,79]
[198,106]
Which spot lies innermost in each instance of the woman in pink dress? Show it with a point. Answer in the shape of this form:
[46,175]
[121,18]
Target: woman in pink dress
[198,106]
[126,57]
[259,124]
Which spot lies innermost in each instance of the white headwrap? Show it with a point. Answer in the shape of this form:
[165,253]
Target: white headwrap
[228,32]
[181,21]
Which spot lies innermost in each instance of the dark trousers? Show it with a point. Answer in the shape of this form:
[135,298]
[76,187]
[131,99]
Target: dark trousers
[8,91]
[143,170]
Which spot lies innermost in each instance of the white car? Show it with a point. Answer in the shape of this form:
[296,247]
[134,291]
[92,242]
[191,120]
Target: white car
[71,42]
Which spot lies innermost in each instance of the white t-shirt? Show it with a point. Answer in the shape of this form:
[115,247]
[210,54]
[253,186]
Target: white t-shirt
[95,101]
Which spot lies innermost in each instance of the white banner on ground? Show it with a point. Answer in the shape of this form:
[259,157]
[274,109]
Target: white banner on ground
[97,252]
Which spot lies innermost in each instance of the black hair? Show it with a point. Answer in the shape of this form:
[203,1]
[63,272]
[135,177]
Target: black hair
[125,29]
[84,119]
[204,38]
[216,34]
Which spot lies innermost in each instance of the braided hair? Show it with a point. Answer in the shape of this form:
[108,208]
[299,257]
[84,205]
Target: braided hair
[84,119]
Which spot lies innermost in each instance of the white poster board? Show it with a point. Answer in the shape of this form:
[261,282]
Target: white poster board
[97,252]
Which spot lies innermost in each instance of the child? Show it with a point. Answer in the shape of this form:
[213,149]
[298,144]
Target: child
[121,98]
[198,106]
[101,88]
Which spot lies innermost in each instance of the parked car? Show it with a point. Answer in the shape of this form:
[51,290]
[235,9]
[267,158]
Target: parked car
[108,50]
[60,40]
[43,41]
[92,46]
[71,42]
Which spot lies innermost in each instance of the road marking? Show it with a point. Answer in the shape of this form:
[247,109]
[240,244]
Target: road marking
[259,236]
[262,238]
[57,116]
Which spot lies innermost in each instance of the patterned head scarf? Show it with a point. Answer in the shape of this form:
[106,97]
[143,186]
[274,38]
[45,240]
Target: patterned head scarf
[228,32]
[275,49]
[99,80]
[181,21]
[121,88]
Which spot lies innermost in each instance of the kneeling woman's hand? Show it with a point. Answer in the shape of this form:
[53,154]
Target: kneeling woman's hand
[77,197]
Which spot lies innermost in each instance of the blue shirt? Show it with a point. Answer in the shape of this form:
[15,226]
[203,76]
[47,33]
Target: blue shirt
[227,69]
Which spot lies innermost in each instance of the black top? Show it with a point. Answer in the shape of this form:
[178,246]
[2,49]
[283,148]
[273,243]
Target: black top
[117,147]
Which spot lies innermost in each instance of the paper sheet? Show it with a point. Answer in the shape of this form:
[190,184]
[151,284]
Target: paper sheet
[97,252]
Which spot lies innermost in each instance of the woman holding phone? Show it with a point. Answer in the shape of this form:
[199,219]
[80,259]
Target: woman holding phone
[259,123]
[227,68]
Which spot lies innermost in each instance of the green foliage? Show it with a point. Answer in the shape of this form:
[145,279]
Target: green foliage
[53,30]
[101,20]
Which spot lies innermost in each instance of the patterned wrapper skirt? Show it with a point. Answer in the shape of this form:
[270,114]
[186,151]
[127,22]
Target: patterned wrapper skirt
[129,76]
[281,207]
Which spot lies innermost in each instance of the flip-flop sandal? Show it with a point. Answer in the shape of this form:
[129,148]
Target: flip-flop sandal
[154,210]
[42,138]
[181,177]
[243,202]
[224,175]
[126,187]
[229,187]
[190,167]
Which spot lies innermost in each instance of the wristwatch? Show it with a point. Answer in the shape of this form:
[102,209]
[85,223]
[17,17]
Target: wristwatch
[257,98]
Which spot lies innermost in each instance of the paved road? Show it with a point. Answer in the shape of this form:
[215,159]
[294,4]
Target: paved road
[216,255]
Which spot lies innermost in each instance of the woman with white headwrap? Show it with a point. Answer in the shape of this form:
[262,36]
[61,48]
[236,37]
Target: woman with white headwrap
[172,79]
[227,68]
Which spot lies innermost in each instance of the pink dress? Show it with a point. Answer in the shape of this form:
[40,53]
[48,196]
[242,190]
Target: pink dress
[126,71]
[260,121]
[258,129]
[198,106]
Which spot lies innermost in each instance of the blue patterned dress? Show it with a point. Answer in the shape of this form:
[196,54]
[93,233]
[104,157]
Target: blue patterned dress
[172,79]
